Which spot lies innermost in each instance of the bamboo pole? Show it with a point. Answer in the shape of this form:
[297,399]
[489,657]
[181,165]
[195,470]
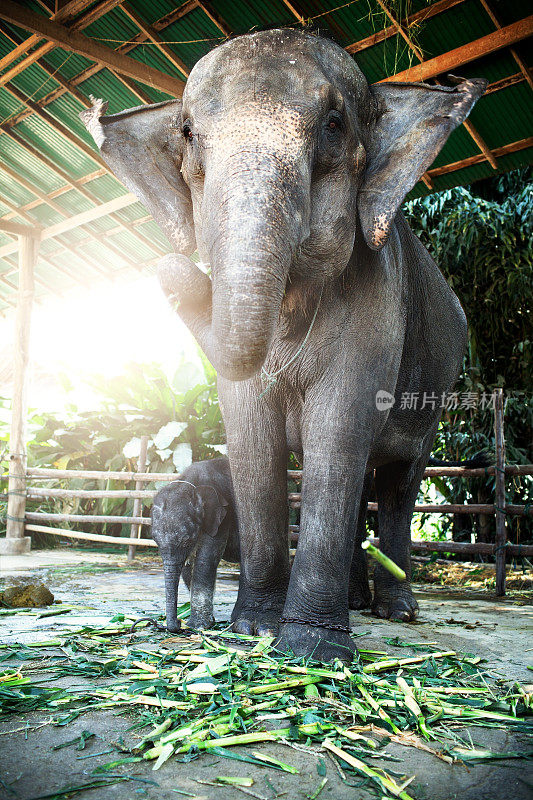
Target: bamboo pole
[416,546]
[443,508]
[89,537]
[448,546]
[499,505]
[92,494]
[137,503]
[15,542]
[295,474]
[35,516]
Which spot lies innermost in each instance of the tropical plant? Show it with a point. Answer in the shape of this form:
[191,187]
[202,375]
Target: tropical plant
[482,239]
[181,417]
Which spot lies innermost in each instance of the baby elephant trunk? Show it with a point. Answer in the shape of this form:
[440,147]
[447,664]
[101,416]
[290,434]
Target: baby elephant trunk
[172,567]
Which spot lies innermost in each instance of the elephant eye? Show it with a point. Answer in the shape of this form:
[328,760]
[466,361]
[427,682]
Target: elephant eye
[187,132]
[333,122]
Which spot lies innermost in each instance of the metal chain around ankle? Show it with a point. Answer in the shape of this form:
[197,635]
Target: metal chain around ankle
[328,626]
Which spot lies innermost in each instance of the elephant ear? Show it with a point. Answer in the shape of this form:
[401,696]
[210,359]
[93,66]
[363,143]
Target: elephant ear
[143,147]
[412,124]
[215,509]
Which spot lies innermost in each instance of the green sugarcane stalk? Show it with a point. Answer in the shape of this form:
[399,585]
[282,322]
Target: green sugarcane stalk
[413,706]
[383,779]
[262,736]
[392,663]
[378,709]
[384,560]
[282,685]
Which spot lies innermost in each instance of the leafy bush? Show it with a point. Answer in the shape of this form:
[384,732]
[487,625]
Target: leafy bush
[181,417]
[482,240]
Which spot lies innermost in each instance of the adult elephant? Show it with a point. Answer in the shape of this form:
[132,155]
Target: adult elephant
[286,171]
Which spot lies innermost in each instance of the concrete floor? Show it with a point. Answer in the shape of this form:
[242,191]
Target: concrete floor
[101,585]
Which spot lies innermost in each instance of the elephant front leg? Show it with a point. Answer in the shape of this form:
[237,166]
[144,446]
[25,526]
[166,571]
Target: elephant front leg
[315,618]
[258,460]
[203,577]
[397,487]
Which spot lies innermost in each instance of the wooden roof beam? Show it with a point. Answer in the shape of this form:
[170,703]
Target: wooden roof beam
[484,46]
[413,19]
[504,83]
[17,229]
[79,219]
[82,22]
[27,231]
[214,16]
[84,147]
[68,11]
[522,66]
[19,210]
[155,38]
[90,48]
[136,90]
[31,188]
[469,127]
[52,73]
[57,126]
[513,147]
[87,73]
[400,30]
[296,12]
[85,217]
[79,187]
[302,18]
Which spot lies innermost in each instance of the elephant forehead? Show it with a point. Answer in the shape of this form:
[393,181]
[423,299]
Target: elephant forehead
[268,125]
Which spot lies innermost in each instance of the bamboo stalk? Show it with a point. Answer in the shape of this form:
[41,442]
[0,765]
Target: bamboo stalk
[89,537]
[92,494]
[387,782]
[384,560]
[148,477]
[428,546]
[441,508]
[499,505]
[15,542]
[137,504]
[35,516]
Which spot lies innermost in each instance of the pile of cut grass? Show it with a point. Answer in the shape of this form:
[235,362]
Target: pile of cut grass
[196,694]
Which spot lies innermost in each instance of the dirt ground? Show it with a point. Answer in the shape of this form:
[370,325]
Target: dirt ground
[466,618]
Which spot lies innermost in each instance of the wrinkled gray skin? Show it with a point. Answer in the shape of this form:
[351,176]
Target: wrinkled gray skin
[287,171]
[194,524]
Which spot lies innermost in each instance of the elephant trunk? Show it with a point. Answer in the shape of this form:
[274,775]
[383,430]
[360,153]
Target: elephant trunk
[172,570]
[258,227]
[258,215]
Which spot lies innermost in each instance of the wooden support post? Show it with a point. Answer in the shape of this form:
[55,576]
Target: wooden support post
[499,505]
[15,542]
[137,503]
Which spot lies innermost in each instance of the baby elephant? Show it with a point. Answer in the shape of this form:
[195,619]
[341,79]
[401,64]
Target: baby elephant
[194,521]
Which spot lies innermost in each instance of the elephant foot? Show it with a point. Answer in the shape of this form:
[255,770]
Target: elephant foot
[360,599]
[395,603]
[256,624]
[200,622]
[317,643]
[257,617]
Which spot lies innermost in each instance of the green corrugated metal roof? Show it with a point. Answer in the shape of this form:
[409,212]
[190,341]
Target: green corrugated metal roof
[109,244]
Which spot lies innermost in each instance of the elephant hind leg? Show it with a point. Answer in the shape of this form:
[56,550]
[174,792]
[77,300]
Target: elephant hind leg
[397,487]
[359,595]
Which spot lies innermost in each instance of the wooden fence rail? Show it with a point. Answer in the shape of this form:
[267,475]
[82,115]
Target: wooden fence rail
[500,509]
